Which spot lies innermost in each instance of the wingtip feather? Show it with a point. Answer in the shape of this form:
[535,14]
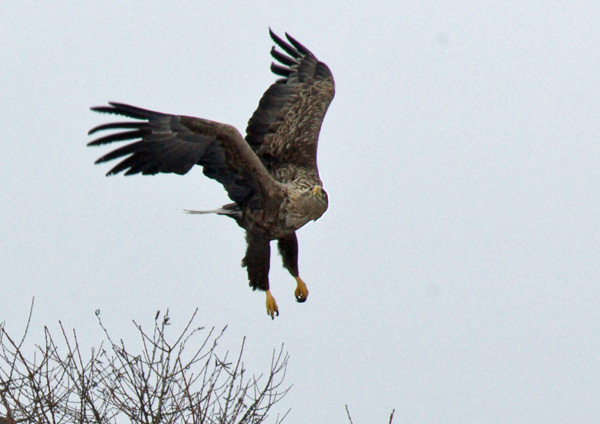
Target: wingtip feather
[299,46]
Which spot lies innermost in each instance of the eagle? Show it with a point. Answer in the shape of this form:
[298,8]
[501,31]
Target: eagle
[270,175]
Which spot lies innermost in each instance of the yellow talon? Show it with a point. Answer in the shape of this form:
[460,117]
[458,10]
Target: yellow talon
[272,308]
[301,292]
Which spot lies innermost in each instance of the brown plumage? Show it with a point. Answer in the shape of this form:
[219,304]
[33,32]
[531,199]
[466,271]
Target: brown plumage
[270,175]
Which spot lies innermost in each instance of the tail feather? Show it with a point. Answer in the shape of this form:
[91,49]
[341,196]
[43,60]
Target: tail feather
[219,211]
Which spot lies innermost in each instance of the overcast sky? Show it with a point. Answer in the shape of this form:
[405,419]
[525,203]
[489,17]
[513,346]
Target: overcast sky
[455,276]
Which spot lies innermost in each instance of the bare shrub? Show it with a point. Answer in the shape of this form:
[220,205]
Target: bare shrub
[184,380]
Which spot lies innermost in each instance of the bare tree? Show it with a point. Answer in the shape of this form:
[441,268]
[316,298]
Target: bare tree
[162,383]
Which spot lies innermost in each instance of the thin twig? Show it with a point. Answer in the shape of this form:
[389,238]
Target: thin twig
[348,412]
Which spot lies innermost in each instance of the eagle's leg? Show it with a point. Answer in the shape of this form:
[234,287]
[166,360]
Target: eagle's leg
[272,308]
[288,247]
[257,259]
[301,292]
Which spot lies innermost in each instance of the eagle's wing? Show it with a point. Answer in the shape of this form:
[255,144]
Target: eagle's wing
[163,143]
[285,126]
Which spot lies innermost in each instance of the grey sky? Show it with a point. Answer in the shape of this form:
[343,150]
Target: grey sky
[455,276]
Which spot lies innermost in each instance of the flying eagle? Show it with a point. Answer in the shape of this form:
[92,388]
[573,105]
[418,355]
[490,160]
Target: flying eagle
[271,176]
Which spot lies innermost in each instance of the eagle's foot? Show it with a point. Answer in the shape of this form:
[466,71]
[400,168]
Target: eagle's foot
[272,308]
[301,292]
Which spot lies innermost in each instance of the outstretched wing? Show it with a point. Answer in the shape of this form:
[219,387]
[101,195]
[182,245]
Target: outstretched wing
[285,126]
[163,143]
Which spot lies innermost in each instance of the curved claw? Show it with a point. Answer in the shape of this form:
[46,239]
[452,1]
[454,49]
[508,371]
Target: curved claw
[301,292]
[272,308]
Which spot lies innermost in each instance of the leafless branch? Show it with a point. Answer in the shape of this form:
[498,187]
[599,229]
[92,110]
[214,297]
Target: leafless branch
[166,381]
[349,417]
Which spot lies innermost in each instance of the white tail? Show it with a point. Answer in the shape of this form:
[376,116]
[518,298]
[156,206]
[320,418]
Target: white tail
[220,211]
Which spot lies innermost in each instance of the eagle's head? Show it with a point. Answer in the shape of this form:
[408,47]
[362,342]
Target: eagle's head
[318,201]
